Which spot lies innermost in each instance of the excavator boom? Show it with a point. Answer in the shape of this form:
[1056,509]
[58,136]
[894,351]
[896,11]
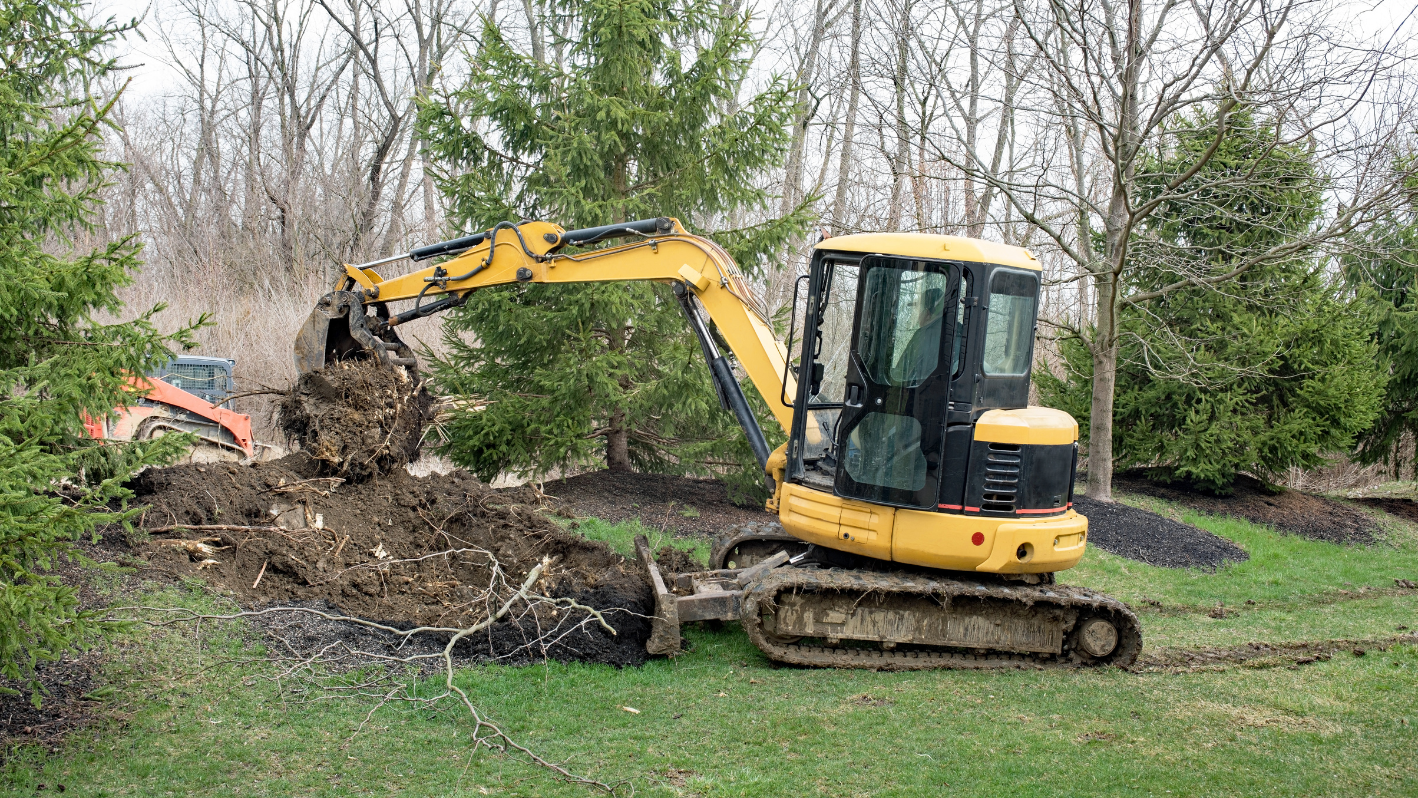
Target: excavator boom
[531,253]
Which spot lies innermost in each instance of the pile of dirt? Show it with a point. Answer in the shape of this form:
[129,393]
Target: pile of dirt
[440,551]
[1406,509]
[1150,538]
[357,418]
[1303,514]
[681,505]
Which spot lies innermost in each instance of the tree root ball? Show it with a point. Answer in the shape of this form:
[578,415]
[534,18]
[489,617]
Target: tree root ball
[357,419]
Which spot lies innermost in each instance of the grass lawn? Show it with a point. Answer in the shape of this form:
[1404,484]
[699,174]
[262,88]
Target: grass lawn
[722,721]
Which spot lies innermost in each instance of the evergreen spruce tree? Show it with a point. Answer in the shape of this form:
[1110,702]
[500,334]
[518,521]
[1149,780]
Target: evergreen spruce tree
[58,365]
[638,116]
[1257,374]
[1384,272]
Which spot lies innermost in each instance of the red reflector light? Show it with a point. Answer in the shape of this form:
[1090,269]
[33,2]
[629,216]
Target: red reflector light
[978,538]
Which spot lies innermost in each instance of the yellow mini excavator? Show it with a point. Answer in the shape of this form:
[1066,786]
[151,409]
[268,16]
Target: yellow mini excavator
[923,507]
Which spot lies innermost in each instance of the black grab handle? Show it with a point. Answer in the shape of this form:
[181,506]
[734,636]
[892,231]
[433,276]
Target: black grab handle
[662,225]
[447,247]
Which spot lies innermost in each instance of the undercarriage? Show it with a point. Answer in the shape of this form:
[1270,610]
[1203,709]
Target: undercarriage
[802,606]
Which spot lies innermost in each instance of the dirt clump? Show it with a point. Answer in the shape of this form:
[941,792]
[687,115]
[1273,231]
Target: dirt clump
[441,551]
[1147,537]
[1303,514]
[681,505]
[357,419]
[677,561]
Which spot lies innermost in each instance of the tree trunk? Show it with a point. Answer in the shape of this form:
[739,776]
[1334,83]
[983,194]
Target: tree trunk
[792,184]
[618,443]
[534,32]
[902,157]
[1105,371]
[1117,231]
[844,167]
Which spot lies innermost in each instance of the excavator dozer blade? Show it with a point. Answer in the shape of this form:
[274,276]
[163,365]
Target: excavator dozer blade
[339,329]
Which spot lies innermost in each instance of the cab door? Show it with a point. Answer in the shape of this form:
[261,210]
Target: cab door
[891,435]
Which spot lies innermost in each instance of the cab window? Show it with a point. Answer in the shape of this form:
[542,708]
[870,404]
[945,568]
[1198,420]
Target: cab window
[1009,324]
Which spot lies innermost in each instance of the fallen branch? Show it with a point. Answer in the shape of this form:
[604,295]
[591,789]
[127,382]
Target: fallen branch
[302,668]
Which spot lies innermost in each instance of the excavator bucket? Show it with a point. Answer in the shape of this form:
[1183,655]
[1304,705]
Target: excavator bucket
[339,329]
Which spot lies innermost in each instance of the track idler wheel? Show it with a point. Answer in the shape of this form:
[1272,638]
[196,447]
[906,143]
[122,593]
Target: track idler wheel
[748,544]
[1097,637]
[1105,638]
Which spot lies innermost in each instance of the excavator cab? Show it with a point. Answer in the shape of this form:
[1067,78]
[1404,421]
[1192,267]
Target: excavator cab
[904,355]
[911,426]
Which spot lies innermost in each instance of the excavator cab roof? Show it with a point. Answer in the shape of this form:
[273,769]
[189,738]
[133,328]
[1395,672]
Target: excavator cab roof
[929,245]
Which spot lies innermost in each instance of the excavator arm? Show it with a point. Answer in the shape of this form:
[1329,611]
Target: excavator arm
[354,320]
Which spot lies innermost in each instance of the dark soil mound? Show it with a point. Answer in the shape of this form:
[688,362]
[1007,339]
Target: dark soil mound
[682,505]
[439,551]
[1303,514]
[677,561]
[357,418]
[1150,538]
[1403,508]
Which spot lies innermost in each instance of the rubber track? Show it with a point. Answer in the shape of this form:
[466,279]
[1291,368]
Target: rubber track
[863,582]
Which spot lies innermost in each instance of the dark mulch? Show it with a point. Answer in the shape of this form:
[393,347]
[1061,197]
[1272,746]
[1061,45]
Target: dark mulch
[1303,514]
[64,684]
[682,505]
[63,709]
[1150,538]
[1403,508]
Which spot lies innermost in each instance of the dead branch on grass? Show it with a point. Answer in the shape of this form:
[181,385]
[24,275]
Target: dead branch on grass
[309,672]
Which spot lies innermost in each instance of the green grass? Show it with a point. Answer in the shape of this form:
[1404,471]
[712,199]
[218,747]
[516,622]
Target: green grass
[621,537]
[722,721]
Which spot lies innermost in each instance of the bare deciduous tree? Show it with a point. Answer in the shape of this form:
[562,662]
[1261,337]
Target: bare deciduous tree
[1110,80]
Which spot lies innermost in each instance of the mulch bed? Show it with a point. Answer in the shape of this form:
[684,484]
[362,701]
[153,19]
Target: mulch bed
[64,708]
[1150,538]
[1303,514]
[657,501]
[1406,509]
[680,505]
[64,684]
